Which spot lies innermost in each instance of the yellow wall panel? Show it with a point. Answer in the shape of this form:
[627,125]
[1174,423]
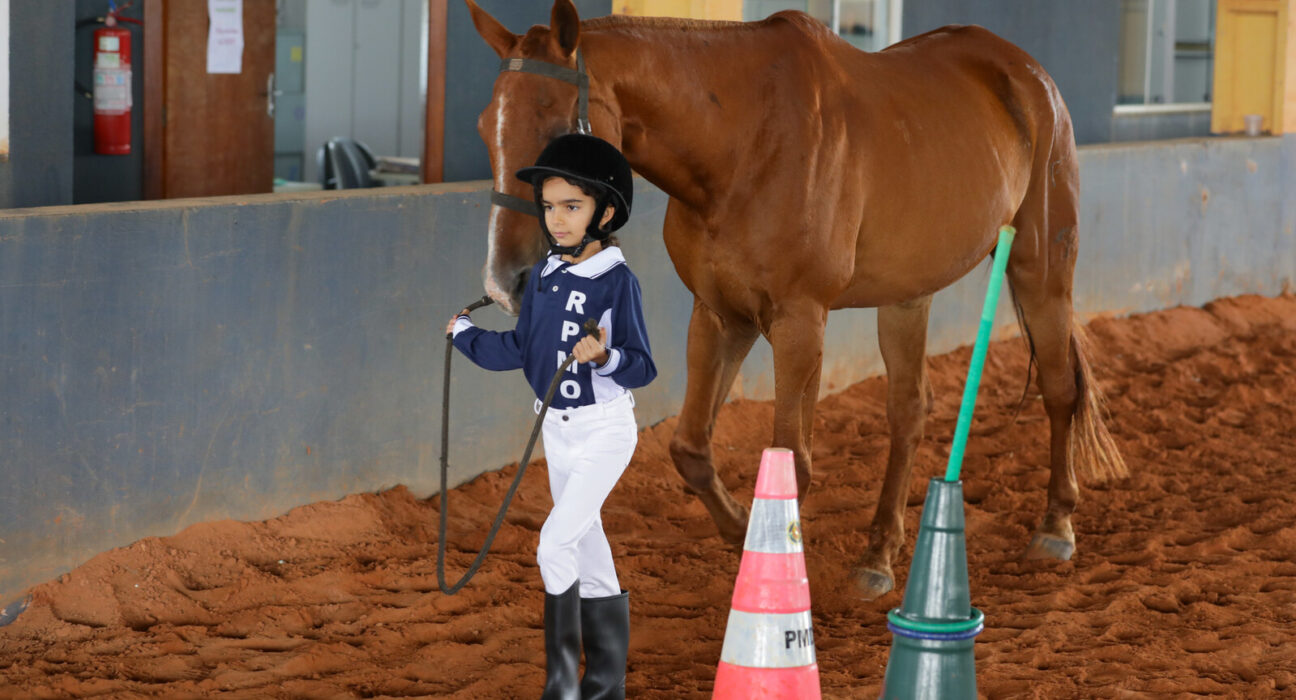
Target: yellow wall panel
[1253,74]
[1250,61]
[691,9]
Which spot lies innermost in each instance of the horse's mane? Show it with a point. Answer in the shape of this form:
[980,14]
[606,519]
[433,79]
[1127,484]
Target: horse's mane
[624,21]
[801,20]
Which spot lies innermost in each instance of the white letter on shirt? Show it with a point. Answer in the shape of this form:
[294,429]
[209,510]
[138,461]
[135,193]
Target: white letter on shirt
[569,329]
[574,367]
[576,301]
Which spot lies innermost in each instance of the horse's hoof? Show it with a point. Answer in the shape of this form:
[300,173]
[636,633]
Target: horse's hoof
[1044,546]
[873,584]
[734,537]
[734,529]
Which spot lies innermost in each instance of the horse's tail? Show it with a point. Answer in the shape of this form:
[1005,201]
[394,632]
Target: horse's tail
[1094,453]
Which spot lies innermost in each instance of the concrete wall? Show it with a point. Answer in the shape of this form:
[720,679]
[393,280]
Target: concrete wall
[175,362]
[1184,222]
[39,169]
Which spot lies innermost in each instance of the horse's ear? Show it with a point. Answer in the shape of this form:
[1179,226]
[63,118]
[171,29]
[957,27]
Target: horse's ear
[497,36]
[564,23]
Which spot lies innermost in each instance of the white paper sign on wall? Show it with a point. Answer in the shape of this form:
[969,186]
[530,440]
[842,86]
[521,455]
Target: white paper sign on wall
[225,36]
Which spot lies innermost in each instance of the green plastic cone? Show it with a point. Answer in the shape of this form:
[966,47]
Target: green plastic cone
[937,589]
[933,629]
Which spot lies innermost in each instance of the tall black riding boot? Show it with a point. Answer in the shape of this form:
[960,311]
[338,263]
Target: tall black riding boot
[562,621]
[605,627]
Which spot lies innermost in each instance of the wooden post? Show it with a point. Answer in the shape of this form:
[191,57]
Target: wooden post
[154,98]
[434,109]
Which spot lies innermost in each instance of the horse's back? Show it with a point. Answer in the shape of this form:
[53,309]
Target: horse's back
[981,87]
[929,77]
[963,58]
[959,118]
[955,39]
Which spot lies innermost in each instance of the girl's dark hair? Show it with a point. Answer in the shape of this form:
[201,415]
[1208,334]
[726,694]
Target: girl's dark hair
[589,189]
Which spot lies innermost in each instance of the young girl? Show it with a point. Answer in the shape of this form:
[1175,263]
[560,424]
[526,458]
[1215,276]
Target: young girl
[583,186]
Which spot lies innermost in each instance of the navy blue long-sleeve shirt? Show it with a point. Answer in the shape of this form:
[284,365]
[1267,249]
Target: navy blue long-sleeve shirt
[559,297]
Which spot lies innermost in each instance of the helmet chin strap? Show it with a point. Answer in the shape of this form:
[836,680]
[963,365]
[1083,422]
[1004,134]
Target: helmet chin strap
[572,250]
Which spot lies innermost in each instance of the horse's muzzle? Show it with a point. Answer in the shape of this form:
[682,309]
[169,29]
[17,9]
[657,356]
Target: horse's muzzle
[508,295]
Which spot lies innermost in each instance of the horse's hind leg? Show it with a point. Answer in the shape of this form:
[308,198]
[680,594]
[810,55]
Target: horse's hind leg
[1049,322]
[902,338]
[1071,399]
[1041,270]
[716,348]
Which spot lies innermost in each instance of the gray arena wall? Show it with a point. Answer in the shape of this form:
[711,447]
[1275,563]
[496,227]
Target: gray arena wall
[166,363]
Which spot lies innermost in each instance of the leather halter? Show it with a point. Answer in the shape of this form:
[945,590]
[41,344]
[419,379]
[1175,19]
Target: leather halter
[579,78]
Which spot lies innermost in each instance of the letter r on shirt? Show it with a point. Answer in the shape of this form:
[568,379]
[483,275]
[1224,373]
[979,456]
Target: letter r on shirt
[576,300]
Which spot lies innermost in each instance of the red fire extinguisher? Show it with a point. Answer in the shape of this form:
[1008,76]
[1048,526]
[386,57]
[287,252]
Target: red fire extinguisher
[112,88]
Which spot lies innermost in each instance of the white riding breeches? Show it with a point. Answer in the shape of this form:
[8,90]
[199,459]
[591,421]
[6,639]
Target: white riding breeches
[587,449]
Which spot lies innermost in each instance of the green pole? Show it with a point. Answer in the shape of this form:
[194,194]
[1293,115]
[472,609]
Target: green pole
[1006,234]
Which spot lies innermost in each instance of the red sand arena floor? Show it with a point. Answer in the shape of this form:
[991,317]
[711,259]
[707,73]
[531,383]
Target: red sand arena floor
[1183,582]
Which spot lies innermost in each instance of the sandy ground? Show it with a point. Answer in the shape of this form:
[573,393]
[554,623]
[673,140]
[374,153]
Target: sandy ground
[1183,583]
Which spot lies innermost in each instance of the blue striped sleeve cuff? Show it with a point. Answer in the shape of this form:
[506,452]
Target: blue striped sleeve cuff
[614,361]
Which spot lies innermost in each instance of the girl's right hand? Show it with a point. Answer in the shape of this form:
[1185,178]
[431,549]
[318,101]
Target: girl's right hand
[450,326]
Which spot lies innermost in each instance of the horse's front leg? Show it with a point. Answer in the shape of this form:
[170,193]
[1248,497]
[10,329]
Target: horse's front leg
[716,348]
[796,336]
[902,338]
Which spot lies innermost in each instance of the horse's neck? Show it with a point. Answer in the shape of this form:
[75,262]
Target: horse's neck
[672,117]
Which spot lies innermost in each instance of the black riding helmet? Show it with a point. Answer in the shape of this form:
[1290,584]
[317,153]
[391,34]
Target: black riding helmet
[591,161]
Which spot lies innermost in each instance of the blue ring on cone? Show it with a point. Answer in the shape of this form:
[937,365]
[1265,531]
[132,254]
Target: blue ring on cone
[935,636]
[937,630]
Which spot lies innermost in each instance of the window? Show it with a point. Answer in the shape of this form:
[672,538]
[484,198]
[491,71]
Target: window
[1166,52]
[867,24]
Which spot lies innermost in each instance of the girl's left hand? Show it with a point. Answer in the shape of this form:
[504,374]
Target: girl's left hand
[590,350]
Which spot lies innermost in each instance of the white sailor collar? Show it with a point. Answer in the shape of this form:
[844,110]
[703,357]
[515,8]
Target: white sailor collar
[594,266]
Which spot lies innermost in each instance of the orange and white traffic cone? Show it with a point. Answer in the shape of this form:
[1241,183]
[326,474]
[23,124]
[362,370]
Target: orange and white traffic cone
[769,642]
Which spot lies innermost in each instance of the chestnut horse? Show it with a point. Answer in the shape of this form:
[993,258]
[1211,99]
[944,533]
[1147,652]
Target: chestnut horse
[805,175]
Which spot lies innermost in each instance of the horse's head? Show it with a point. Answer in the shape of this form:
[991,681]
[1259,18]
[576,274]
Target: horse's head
[537,98]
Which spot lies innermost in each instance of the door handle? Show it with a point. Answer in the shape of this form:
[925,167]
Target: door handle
[270,95]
